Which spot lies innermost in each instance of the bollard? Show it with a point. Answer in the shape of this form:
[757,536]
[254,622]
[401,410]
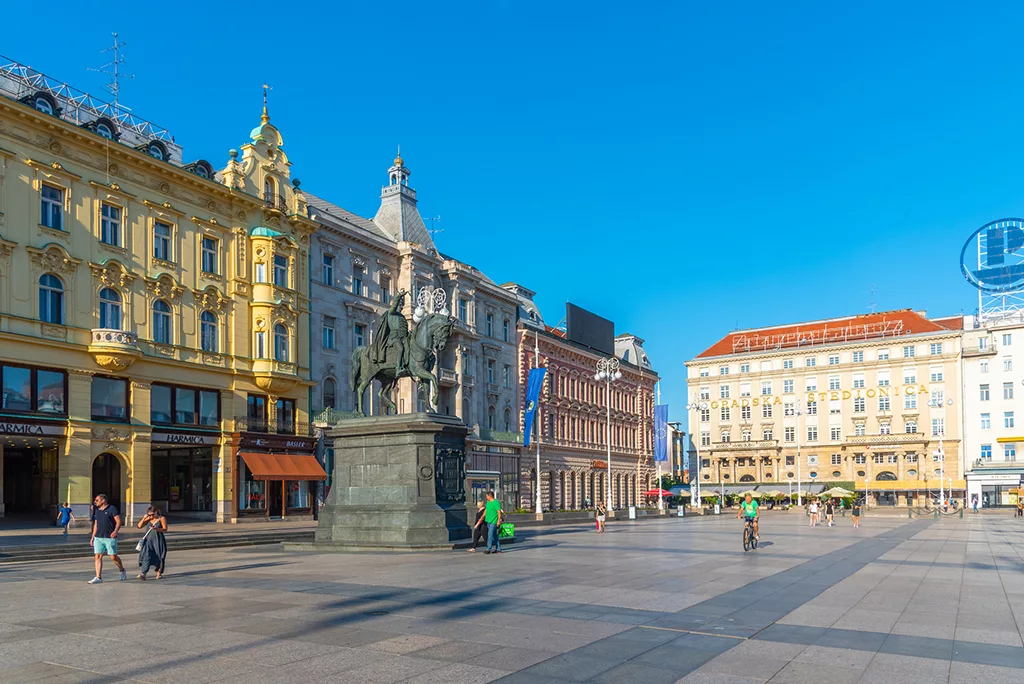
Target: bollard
[910,513]
[961,513]
[936,513]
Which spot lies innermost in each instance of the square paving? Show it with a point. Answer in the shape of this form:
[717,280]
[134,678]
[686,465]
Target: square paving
[673,600]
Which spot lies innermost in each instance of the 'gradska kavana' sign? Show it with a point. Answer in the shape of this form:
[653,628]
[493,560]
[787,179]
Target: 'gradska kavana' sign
[831,395]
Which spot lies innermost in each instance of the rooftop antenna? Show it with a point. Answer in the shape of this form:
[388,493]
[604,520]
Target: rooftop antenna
[434,230]
[872,305]
[113,69]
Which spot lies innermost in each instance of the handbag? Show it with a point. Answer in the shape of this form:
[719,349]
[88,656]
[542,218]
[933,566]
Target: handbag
[506,530]
[139,546]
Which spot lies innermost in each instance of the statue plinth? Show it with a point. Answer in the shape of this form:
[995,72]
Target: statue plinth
[399,483]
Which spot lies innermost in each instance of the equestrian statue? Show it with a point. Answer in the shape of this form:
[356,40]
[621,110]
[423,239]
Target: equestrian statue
[398,353]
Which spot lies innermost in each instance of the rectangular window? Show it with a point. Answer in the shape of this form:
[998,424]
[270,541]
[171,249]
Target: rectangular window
[766,410]
[110,225]
[812,408]
[31,389]
[209,408]
[704,392]
[744,368]
[184,406]
[705,373]
[911,458]
[890,458]
[787,386]
[858,382]
[909,376]
[936,374]
[723,392]
[357,280]
[983,366]
[1007,390]
[489,324]
[787,364]
[790,460]
[726,437]
[836,434]
[789,434]
[327,270]
[789,409]
[837,459]
[1007,339]
[724,370]
[261,273]
[705,439]
[109,399]
[883,378]
[726,413]
[490,371]
[812,384]
[745,389]
[986,421]
[745,413]
[1007,363]
[280,270]
[705,415]
[160,404]
[834,406]
[878,458]
[986,452]
[52,215]
[883,404]
[983,343]
[859,430]
[983,392]
[883,354]
[812,433]
[504,330]
[330,323]
[939,426]
[508,377]
[285,416]
[256,415]
[261,345]
[938,398]
[162,241]
[1010,452]
[858,357]
[910,401]
[1007,419]
[833,359]
[463,311]
[385,290]
[360,335]
[859,405]
[210,259]
[810,362]
[833,382]
[908,352]
[766,388]
[860,459]
[935,348]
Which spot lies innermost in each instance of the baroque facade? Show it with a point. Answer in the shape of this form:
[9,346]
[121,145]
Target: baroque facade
[153,315]
[361,264]
[574,420]
[869,400]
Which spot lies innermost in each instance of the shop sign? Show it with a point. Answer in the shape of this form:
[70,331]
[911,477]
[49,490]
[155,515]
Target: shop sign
[8,428]
[186,439]
[831,395]
[278,443]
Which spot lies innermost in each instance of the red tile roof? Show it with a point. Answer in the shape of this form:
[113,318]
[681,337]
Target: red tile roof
[950,322]
[813,333]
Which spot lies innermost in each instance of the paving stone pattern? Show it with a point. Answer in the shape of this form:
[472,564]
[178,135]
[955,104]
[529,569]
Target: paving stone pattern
[669,601]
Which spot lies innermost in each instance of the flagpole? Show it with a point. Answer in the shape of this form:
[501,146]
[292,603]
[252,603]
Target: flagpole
[661,500]
[537,418]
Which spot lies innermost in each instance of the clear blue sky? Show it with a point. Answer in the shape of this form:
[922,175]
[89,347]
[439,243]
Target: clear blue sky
[680,167]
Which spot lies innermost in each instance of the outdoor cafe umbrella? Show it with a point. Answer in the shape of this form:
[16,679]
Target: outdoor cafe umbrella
[773,493]
[657,492]
[838,493]
[752,493]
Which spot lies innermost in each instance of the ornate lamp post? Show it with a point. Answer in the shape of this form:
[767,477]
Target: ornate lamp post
[608,370]
[429,300]
[799,494]
[696,406]
[942,454]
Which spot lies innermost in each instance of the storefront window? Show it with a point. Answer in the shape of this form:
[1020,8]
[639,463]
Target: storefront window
[253,496]
[209,408]
[160,404]
[109,399]
[185,406]
[49,392]
[298,494]
[32,389]
[17,388]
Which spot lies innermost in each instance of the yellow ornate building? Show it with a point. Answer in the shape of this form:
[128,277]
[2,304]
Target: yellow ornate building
[153,315]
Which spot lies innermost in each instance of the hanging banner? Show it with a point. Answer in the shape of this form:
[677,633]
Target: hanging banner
[534,384]
[661,432]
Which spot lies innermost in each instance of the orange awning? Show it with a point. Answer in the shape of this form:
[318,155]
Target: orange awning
[283,466]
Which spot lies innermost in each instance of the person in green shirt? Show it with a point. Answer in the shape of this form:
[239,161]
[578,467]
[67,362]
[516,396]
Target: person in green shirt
[492,516]
[748,510]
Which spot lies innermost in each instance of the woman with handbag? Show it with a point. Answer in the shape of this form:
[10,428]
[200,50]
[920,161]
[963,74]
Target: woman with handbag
[152,547]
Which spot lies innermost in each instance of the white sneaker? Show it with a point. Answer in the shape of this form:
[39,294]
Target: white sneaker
[96,580]
[124,575]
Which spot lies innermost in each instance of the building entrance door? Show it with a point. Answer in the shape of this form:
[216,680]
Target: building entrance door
[274,498]
[30,480]
[106,479]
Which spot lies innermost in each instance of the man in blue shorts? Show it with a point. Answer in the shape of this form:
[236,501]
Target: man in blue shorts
[105,527]
[748,510]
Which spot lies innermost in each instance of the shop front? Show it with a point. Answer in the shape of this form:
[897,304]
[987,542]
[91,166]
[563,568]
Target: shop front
[997,487]
[182,472]
[493,468]
[29,466]
[911,493]
[275,476]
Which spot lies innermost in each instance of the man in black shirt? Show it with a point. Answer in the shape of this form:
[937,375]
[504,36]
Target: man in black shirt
[105,526]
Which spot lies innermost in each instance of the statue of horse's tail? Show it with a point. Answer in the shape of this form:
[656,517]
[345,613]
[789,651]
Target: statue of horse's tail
[357,367]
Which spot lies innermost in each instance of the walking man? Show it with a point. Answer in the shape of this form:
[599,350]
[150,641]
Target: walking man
[492,517]
[105,526]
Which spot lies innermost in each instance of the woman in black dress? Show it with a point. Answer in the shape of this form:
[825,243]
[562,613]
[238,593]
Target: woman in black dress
[153,553]
[479,528]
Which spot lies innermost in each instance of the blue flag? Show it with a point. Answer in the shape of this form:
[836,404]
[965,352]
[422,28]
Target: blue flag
[661,432]
[534,384]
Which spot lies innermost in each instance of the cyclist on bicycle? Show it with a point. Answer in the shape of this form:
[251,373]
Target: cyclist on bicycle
[748,510]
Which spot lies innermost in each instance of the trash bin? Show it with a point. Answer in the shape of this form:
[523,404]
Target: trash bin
[632,512]
[718,509]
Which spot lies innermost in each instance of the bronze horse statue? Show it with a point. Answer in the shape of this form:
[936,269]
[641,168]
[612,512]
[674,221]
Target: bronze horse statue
[429,337]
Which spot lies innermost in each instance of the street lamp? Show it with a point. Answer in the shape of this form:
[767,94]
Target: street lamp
[695,406]
[799,495]
[934,403]
[608,370]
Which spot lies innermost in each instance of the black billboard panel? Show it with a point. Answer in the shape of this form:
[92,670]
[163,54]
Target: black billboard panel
[589,329]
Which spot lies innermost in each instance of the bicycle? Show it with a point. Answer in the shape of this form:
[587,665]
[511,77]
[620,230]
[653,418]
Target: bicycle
[749,537]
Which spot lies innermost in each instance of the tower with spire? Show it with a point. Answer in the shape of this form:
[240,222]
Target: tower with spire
[398,215]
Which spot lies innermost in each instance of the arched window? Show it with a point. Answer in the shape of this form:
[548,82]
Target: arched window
[268,190]
[280,342]
[43,105]
[330,393]
[911,427]
[51,299]
[110,309]
[161,322]
[508,420]
[766,435]
[886,476]
[208,332]
[747,478]
[104,130]
[491,417]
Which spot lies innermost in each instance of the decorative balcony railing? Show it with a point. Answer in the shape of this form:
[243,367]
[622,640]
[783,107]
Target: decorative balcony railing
[467,380]
[117,338]
[262,425]
[748,445]
[894,438]
[275,201]
[448,376]
[332,416]
[988,350]
[501,436]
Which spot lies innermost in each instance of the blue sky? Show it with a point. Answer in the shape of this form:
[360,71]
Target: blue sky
[682,168]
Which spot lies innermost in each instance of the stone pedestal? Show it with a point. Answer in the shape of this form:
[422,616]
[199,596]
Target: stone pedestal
[399,483]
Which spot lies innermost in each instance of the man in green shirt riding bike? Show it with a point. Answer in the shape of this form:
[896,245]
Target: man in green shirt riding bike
[748,510]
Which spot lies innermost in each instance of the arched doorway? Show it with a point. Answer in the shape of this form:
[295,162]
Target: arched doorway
[106,479]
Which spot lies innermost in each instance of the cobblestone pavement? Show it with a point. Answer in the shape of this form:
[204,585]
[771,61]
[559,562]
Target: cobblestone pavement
[894,601]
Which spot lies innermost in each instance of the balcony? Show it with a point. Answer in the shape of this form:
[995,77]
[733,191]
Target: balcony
[261,425]
[448,378]
[501,436]
[749,445]
[894,438]
[274,201]
[114,350]
[467,380]
[989,350]
[989,464]
[331,417]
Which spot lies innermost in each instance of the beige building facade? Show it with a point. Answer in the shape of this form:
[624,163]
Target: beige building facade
[153,315]
[870,401]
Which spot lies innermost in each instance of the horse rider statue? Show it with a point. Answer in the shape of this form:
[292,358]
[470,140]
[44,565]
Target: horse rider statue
[393,333]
